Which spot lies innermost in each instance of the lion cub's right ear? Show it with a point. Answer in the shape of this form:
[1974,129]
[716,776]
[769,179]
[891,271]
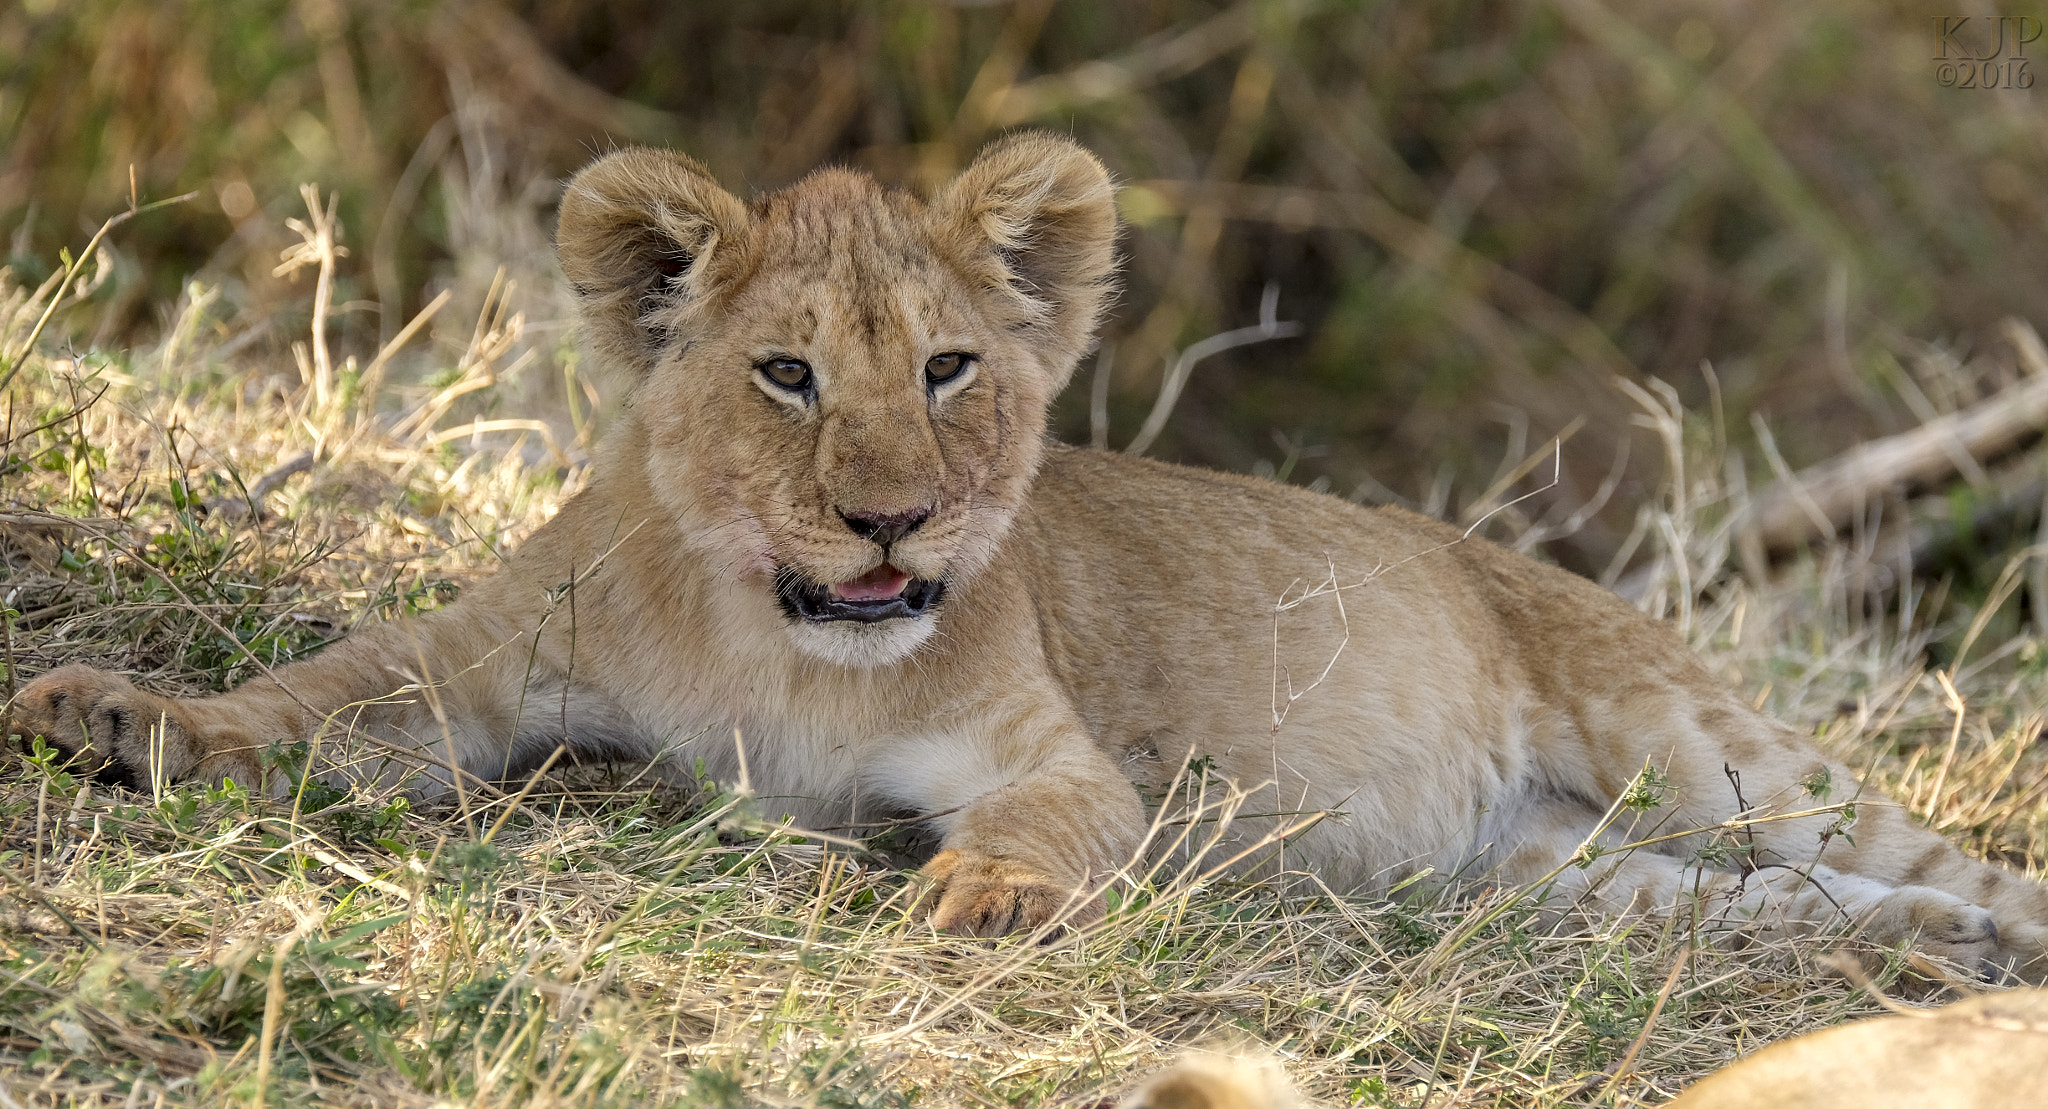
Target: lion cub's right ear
[644,234]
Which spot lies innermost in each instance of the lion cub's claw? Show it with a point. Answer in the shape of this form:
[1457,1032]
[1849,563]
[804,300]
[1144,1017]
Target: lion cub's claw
[968,894]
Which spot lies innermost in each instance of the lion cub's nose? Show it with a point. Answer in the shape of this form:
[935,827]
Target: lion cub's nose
[885,528]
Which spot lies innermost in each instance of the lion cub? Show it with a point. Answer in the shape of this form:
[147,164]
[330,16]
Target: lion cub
[1988,1052]
[832,522]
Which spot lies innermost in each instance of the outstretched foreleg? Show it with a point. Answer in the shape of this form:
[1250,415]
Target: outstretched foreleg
[441,701]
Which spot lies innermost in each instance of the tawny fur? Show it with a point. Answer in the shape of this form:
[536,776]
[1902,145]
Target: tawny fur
[1107,619]
[1215,1082]
[1984,1053]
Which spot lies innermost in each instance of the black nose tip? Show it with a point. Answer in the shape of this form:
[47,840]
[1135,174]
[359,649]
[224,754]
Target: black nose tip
[885,528]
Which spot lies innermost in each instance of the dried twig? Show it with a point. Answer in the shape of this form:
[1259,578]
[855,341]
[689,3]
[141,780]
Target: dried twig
[1791,513]
[496,333]
[1413,240]
[63,278]
[1169,389]
[320,244]
[251,504]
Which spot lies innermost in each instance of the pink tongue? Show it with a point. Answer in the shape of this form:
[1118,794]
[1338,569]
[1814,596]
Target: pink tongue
[879,584]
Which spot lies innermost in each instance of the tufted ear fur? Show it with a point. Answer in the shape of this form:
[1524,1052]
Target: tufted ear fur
[645,235]
[1034,221]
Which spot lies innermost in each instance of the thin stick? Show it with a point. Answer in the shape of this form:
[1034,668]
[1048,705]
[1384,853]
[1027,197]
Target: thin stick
[1955,738]
[71,271]
[373,378]
[322,245]
[7,637]
[513,805]
[1098,397]
[293,835]
[36,896]
[1554,448]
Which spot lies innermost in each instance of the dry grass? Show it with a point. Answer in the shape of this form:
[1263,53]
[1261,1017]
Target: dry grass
[174,512]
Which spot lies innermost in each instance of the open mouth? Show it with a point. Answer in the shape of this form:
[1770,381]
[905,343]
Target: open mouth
[883,593]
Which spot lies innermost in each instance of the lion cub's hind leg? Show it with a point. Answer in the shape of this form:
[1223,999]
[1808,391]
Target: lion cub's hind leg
[1857,851]
[1890,846]
[1557,853]
[1771,839]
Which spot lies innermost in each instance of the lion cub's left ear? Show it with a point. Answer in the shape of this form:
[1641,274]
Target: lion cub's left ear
[644,237]
[1035,219]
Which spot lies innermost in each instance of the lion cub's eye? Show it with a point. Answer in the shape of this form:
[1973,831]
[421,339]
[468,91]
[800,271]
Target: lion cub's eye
[941,368]
[787,372]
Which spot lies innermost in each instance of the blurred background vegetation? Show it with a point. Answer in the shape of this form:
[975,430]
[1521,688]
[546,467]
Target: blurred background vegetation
[1488,214]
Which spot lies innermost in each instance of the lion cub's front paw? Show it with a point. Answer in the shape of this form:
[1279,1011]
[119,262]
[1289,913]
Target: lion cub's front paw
[99,718]
[969,894]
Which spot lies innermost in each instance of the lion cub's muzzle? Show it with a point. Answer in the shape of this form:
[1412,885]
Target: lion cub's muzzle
[884,593]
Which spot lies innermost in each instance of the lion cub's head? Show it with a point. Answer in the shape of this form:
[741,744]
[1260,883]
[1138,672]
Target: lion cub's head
[843,389]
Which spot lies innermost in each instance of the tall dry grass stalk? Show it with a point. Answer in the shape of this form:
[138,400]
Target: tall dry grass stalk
[319,245]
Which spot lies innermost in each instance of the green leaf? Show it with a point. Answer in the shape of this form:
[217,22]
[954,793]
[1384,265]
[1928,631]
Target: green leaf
[366,928]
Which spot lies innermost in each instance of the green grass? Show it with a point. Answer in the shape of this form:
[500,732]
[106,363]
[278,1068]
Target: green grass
[592,942]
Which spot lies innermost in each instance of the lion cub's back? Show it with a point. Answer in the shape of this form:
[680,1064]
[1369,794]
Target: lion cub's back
[1188,569]
[1186,609]
[1138,513]
[1191,551]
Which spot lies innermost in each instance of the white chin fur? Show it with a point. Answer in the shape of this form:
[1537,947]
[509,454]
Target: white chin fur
[859,646]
